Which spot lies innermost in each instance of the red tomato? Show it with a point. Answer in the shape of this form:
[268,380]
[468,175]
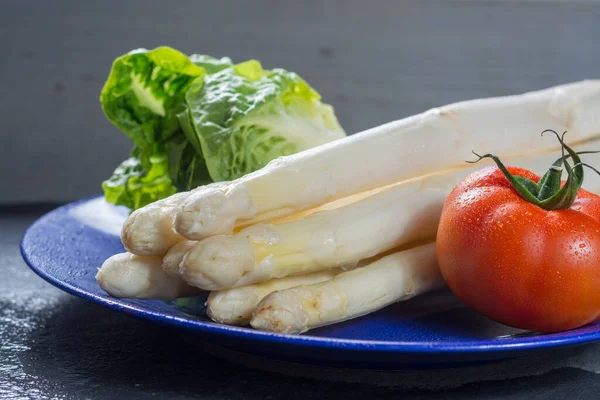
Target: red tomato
[516,262]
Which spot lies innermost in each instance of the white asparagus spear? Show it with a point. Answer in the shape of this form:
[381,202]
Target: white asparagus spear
[399,214]
[148,231]
[172,260]
[351,294]
[426,143]
[126,275]
[235,306]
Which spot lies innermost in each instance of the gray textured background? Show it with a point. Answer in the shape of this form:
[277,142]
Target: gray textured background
[374,61]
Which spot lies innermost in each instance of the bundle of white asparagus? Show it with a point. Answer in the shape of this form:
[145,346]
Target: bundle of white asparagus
[343,229]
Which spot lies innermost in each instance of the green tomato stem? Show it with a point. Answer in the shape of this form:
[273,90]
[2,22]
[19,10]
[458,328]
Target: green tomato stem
[548,192]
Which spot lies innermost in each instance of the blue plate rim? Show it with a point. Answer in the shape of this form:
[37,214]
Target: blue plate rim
[307,340]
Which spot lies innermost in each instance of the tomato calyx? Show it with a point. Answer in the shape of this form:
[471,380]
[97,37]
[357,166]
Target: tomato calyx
[548,193]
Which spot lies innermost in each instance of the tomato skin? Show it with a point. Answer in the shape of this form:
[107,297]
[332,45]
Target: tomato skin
[517,263]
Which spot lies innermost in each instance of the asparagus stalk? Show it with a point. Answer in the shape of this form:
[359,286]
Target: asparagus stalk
[127,275]
[403,213]
[436,140]
[351,294]
[148,231]
[235,306]
[172,260]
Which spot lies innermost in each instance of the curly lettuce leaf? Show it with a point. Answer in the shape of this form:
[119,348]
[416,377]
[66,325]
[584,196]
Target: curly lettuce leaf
[145,91]
[186,165]
[210,64]
[133,186]
[241,118]
[178,168]
[143,94]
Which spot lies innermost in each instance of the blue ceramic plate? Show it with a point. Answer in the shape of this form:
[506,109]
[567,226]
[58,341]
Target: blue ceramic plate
[66,246]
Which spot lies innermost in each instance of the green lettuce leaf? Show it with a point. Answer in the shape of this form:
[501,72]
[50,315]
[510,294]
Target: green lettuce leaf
[211,64]
[134,186]
[241,118]
[145,91]
[143,94]
[198,119]
[186,165]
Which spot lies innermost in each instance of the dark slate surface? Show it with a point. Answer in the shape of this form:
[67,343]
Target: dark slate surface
[53,345]
[375,61]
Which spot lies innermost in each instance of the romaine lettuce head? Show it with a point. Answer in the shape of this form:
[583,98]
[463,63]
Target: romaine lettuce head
[241,118]
[200,119]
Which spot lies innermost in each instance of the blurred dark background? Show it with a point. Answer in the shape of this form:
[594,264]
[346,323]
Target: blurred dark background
[375,61]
